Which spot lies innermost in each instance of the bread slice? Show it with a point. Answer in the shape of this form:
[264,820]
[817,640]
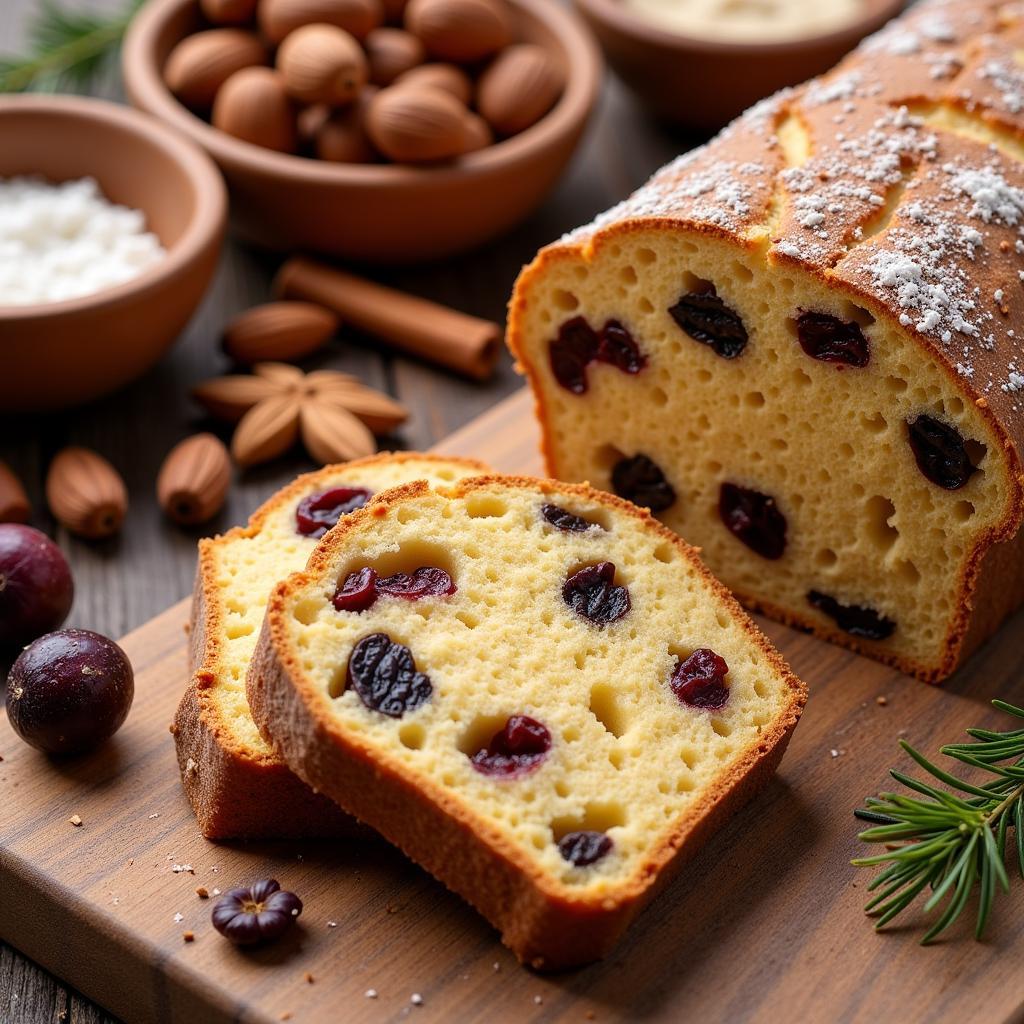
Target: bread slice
[237,787]
[510,719]
[803,344]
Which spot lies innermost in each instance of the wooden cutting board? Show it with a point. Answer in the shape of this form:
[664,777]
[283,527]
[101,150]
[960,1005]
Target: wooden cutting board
[764,925]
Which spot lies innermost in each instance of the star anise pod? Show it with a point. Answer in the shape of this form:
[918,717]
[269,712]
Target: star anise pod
[335,416]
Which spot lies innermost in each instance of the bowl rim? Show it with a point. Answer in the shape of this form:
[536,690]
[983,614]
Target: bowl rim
[146,89]
[616,16]
[208,219]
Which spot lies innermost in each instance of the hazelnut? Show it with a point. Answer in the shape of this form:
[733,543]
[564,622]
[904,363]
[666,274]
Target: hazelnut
[391,52]
[322,64]
[201,63]
[254,106]
[519,88]
[446,77]
[277,18]
[416,125]
[460,30]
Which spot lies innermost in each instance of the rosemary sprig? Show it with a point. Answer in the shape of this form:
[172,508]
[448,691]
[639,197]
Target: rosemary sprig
[949,841]
[67,49]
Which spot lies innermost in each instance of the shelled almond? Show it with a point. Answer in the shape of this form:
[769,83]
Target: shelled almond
[463,31]
[194,479]
[278,332]
[357,17]
[86,494]
[518,89]
[416,125]
[253,105]
[322,64]
[199,65]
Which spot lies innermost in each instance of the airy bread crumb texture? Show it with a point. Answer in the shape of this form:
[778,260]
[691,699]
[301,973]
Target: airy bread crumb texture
[628,758]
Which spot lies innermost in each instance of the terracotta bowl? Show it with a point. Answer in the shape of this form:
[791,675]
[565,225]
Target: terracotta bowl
[62,353]
[379,213]
[704,84]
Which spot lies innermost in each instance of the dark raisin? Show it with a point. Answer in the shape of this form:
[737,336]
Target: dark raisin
[584,848]
[832,340]
[853,618]
[639,480]
[707,319]
[566,520]
[258,914]
[514,750]
[426,581]
[357,592]
[700,680]
[617,348]
[575,347]
[592,593]
[383,674]
[753,518]
[941,452]
[317,513]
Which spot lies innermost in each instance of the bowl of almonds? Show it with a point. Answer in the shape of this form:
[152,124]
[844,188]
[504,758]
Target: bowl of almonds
[386,131]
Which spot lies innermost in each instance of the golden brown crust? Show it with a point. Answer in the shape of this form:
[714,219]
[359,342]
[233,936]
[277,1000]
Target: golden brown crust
[236,791]
[869,152]
[544,922]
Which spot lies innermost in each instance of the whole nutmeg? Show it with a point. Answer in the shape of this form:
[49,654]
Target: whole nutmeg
[518,89]
[85,493]
[14,503]
[416,125]
[477,133]
[391,52]
[446,77]
[460,30]
[194,479]
[228,12]
[200,64]
[277,18]
[322,64]
[253,105]
[278,332]
[342,137]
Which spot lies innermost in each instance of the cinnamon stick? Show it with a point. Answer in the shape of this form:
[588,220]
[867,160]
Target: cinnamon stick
[422,328]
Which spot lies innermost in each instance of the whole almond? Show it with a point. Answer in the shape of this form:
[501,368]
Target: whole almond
[518,89]
[194,479]
[200,64]
[266,431]
[460,30]
[85,493]
[14,503]
[322,64]
[254,106]
[446,77]
[330,434]
[416,125]
[391,52]
[228,12]
[278,331]
[357,17]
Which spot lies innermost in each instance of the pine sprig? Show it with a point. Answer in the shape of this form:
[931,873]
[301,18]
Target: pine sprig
[949,841]
[67,49]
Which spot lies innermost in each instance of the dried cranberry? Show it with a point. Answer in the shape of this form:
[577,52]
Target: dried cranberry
[357,591]
[426,581]
[584,848]
[639,480]
[618,349]
[753,518]
[259,914]
[854,619]
[36,589]
[700,680]
[516,749]
[575,347]
[317,513]
[707,319]
[826,337]
[592,593]
[566,520]
[941,452]
[383,674]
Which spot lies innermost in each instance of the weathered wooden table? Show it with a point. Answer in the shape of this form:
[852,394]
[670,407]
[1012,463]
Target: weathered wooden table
[124,582]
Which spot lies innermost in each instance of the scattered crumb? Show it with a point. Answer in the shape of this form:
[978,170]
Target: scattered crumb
[834,752]
[332,924]
[308,977]
[538,1000]
[881,700]
[189,936]
[190,766]
[178,918]
[75,820]
[370,993]
[131,862]
[156,815]
[287,1015]
[214,869]
[179,869]
[417,999]
[497,966]
[202,892]
[215,892]
[391,908]
[172,729]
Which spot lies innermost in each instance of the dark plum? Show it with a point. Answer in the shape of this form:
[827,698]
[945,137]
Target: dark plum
[699,680]
[69,691]
[258,914]
[383,674]
[517,748]
[707,319]
[941,452]
[36,589]
[831,340]
[565,520]
[854,619]
[593,593]
[640,480]
[584,848]
[753,518]
[317,513]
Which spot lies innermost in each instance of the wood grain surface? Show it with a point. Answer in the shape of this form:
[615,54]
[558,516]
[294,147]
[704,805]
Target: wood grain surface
[765,925]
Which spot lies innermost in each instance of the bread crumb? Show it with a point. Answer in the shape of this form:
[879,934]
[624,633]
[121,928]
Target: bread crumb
[75,820]
[538,1000]
[202,892]
[178,918]
[287,1015]
[332,924]
[834,752]
[189,936]
[309,979]
[881,700]
[417,999]
[370,993]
